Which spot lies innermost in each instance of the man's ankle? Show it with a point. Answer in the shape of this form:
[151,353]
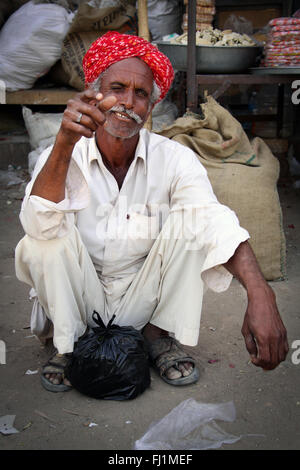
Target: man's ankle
[152,332]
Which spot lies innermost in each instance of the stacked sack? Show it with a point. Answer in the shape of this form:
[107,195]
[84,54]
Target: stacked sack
[283,46]
[205,11]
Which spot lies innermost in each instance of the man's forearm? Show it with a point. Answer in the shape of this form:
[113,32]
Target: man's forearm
[263,330]
[51,181]
[244,266]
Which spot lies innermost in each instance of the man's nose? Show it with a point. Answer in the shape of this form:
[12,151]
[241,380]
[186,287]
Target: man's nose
[128,99]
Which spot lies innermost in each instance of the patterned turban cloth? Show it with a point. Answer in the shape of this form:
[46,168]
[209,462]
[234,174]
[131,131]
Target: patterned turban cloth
[113,47]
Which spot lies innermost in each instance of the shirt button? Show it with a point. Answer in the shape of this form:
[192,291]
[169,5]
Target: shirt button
[127,216]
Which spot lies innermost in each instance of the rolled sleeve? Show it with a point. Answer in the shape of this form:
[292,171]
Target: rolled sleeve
[45,220]
[226,235]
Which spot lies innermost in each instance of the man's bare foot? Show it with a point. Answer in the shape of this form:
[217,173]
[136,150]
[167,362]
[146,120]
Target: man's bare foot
[52,376]
[57,379]
[151,333]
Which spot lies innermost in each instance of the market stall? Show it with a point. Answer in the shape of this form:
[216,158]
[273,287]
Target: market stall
[226,58]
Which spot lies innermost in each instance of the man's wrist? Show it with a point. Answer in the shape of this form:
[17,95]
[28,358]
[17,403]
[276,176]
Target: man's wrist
[63,144]
[257,289]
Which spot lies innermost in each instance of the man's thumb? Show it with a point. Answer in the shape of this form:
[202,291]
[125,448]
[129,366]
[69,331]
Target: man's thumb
[251,345]
[107,103]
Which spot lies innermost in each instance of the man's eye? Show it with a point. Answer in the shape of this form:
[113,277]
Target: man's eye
[141,92]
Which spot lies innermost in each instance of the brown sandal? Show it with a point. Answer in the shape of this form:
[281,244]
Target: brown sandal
[165,352]
[56,365]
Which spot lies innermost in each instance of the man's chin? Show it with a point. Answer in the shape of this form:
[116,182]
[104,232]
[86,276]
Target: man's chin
[122,134]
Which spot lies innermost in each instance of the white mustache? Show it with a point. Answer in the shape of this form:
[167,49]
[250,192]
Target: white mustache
[128,112]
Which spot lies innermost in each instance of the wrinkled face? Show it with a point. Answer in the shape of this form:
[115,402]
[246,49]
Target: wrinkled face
[131,82]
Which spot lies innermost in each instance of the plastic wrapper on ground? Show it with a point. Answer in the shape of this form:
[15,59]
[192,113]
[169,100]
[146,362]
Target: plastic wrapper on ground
[190,426]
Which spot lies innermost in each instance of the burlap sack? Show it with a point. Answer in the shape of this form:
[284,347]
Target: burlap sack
[89,18]
[74,48]
[244,177]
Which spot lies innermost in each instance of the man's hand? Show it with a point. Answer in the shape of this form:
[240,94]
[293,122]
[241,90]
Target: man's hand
[263,330]
[51,181]
[92,107]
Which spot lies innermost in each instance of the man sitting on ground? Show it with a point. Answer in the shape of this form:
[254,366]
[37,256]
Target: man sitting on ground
[125,222]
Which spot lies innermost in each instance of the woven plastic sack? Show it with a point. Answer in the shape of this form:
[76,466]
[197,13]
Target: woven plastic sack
[164,17]
[110,362]
[41,126]
[31,42]
[42,129]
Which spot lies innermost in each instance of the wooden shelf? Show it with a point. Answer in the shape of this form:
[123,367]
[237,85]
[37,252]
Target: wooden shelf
[35,96]
[244,79]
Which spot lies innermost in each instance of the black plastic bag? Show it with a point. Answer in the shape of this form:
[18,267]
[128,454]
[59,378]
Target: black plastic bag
[110,362]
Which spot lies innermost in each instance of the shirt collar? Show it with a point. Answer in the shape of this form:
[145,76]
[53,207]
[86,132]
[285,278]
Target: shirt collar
[141,150]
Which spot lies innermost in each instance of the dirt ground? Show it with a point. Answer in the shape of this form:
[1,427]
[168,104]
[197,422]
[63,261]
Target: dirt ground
[267,403]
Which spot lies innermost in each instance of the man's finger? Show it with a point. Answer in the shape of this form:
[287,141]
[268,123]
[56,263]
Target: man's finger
[259,362]
[265,358]
[277,349]
[107,103]
[88,122]
[286,346]
[284,349]
[88,95]
[82,130]
[250,342]
[274,354]
[87,111]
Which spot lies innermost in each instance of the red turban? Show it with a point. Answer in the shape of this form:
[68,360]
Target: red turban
[113,47]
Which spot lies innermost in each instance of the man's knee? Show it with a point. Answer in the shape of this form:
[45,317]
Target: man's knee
[30,250]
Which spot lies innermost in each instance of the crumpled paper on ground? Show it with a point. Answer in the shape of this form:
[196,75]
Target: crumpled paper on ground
[190,426]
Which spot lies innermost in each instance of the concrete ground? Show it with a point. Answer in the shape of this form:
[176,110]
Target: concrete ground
[267,403]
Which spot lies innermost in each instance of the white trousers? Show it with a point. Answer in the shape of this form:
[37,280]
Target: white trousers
[167,291]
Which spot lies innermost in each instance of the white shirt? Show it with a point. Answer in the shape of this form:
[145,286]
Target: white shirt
[119,227]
